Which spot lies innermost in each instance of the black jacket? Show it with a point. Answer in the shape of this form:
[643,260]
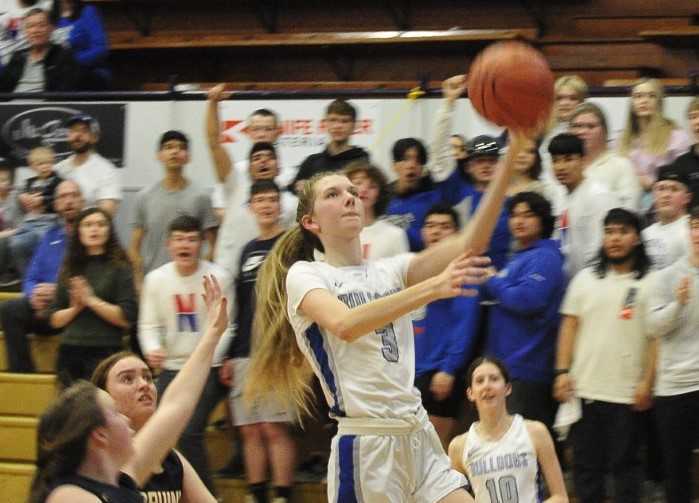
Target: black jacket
[61,72]
[324,161]
[689,164]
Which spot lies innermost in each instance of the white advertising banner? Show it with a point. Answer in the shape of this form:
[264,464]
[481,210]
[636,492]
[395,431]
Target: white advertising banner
[303,128]
[380,123]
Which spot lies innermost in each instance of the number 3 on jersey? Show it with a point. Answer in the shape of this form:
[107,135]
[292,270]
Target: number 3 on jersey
[389,344]
[506,486]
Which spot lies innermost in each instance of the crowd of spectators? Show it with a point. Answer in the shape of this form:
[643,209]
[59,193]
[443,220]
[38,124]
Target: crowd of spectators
[589,296]
[589,302]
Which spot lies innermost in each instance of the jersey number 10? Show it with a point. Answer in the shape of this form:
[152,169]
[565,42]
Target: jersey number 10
[506,487]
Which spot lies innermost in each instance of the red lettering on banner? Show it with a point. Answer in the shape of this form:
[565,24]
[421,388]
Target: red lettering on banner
[291,127]
[364,126]
[297,127]
[227,125]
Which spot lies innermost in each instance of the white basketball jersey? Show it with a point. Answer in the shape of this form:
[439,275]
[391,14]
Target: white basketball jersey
[505,471]
[372,376]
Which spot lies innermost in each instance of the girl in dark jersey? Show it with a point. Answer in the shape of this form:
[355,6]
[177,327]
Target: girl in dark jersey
[87,452]
[129,381]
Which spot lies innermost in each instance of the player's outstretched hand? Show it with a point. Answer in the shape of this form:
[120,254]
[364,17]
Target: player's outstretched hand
[461,275]
[517,137]
[216,305]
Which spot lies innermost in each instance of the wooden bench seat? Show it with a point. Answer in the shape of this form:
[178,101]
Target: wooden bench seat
[26,394]
[133,41]
[44,350]
[295,86]
[631,82]
[680,37]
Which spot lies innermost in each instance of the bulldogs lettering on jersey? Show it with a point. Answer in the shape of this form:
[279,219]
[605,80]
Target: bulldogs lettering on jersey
[505,470]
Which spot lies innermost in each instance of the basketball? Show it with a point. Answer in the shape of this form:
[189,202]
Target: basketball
[510,84]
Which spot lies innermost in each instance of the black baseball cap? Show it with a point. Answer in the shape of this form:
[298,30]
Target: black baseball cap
[483,146]
[673,173]
[86,119]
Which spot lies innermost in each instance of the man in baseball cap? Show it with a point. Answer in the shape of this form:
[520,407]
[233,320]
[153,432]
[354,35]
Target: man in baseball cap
[668,238]
[85,119]
[97,177]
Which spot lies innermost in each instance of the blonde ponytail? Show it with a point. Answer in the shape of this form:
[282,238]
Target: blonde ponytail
[277,364]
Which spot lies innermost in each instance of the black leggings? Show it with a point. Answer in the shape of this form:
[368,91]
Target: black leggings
[78,362]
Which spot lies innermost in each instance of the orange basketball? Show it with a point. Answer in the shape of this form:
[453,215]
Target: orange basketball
[510,84]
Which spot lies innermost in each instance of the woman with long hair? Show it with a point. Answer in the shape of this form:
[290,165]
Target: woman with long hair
[348,321]
[650,139]
[504,455]
[87,452]
[129,381]
[95,299]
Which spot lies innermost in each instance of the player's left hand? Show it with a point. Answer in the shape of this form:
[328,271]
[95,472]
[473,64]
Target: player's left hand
[216,305]
[441,385]
[461,273]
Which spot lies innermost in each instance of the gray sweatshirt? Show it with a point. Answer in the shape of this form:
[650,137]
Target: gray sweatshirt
[677,328]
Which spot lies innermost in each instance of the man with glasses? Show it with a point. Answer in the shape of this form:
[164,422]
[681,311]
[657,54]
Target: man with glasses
[29,314]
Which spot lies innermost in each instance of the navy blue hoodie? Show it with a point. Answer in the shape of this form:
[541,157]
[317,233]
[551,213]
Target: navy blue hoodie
[524,321]
[445,337]
[408,210]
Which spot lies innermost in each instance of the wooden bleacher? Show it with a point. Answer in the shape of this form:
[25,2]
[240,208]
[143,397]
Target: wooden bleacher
[297,86]
[44,350]
[676,38]
[132,41]
[361,41]
[630,82]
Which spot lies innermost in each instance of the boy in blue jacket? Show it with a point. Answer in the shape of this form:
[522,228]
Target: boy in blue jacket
[413,192]
[524,320]
[445,336]
[464,189]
